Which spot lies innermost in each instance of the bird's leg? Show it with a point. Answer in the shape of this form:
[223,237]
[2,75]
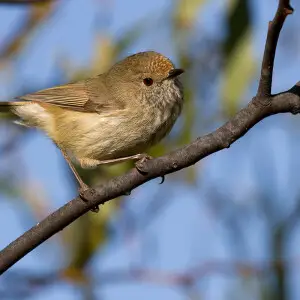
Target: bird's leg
[140,159]
[136,157]
[83,186]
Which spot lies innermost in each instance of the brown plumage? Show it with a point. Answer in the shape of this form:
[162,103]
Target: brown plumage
[110,117]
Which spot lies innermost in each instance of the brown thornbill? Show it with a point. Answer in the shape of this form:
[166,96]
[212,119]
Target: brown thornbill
[112,117]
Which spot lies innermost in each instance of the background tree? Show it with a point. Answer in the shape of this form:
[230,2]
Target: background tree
[233,214]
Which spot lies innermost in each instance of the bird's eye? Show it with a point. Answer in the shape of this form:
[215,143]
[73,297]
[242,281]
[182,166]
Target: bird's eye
[148,81]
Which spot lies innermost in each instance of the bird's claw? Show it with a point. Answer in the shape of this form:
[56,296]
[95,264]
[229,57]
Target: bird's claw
[81,191]
[140,165]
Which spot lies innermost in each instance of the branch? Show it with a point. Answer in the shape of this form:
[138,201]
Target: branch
[265,83]
[260,107]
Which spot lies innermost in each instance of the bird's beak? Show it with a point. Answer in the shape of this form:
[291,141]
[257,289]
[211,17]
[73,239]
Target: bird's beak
[174,73]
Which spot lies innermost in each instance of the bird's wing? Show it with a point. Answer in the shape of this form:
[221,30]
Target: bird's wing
[88,95]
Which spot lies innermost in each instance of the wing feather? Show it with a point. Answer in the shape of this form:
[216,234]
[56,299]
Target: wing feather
[90,95]
[72,95]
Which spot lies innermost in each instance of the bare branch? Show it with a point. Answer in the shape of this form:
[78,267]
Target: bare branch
[260,107]
[265,84]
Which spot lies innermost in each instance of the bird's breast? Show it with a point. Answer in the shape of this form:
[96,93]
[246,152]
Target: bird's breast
[165,108]
[162,121]
[121,133]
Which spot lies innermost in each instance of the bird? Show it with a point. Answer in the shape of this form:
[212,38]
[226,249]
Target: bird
[112,117]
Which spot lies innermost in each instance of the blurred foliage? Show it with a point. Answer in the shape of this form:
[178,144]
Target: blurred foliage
[232,56]
[36,16]
[239,64]
[186,13]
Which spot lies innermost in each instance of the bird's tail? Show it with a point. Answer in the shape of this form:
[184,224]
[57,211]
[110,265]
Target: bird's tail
[26,113]
[9,107]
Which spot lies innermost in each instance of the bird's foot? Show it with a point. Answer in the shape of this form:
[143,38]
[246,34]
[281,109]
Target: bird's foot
[141,159]
[140,164]
[83,187]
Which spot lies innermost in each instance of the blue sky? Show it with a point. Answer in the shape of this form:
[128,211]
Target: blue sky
[186,231]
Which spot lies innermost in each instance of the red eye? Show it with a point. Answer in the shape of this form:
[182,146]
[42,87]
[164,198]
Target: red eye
[148,81]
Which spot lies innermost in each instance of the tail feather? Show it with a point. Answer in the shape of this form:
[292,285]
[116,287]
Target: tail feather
[6,107]
[27,113]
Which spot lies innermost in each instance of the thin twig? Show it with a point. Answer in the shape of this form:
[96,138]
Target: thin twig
[265,83]
[258,109]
